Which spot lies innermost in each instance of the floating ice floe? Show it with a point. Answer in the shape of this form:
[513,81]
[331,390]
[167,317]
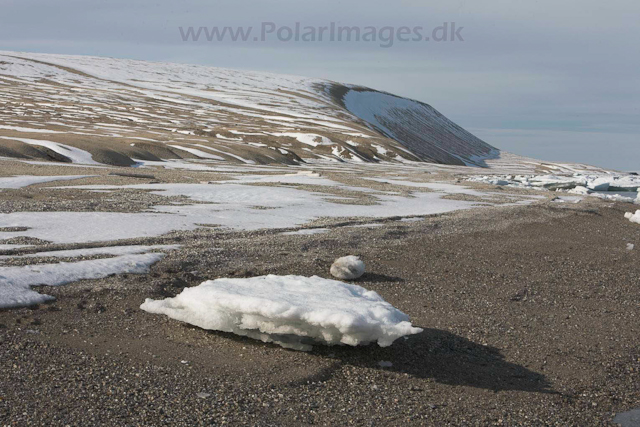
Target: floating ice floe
[633,217]
[347,268]
[291,311]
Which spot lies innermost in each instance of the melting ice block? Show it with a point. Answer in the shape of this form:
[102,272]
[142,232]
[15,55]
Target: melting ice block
[633,217]
[292,311]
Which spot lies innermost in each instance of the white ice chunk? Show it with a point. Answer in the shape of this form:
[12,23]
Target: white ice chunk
[347,268]
[580,190]
[599,184]
[292,311]
[633,217]
[577,183]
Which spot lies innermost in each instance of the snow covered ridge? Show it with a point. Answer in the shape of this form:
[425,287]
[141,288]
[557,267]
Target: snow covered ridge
[113,111]
[291,311]
[422,130]
[615,187]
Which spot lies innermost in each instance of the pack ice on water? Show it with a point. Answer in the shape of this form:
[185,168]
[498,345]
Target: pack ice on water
[292,311]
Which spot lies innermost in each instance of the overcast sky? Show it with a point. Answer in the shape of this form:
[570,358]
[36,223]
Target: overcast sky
[548,79]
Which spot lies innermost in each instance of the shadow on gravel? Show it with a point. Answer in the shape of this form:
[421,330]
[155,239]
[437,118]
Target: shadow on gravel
[380,278]
[445,358]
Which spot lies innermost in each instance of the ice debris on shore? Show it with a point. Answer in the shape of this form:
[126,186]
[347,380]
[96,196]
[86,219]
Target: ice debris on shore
[593,185]
[633,217]
[552,182]
[291,311]
[347,268]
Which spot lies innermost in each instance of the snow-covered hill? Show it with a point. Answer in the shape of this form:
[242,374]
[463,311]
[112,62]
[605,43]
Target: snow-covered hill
[120,112]
[419,127]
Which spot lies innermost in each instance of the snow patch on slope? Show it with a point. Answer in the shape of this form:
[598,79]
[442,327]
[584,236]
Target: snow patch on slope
[311,139]
[74,154]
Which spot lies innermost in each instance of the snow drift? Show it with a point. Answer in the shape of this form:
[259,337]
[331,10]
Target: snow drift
[292,311]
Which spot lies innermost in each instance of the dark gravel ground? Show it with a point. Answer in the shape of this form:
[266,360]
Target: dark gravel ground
[531,317]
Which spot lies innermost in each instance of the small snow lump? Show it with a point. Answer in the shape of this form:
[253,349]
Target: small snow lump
[347,268]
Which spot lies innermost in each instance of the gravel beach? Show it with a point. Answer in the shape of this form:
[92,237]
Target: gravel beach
[531,319]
